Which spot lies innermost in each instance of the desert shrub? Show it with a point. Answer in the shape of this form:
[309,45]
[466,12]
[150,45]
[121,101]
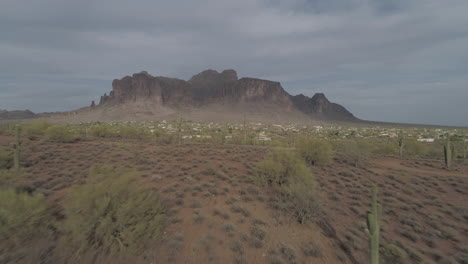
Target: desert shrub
[355,151]
[24,220]
[415,148]
[61,134]
[120,131]
[289,175]
[6,159]
[35,129]
[280,168]
[102,130]
[385,149]
[111,214]
[134,132]
[7,128]
[393,254]
[276,143]
[315,151]
[435,150]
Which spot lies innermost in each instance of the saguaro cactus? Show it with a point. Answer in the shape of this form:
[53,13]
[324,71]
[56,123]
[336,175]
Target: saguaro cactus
[464,147]
[17,147]
[401,144]
[179,125]
[448,152]
[373,228]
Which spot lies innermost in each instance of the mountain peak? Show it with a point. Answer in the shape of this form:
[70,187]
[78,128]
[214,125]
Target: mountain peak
[320,97]
[211,75]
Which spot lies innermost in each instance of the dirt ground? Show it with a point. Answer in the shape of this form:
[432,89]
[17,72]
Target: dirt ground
[216,214]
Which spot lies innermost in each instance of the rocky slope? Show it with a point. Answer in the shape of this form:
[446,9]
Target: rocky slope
[213,95]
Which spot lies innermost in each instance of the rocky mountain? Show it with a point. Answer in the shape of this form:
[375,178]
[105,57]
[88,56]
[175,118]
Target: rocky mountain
[16,114]
[320,108]
[214,95]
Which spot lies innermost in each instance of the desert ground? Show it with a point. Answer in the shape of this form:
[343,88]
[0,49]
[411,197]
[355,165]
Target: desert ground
[216,213]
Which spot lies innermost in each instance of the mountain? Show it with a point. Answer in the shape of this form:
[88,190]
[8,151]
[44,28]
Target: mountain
[320,108]
[16,114]
[211,95]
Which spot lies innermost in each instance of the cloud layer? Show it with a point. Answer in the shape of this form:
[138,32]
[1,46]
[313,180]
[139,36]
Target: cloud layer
[402,60]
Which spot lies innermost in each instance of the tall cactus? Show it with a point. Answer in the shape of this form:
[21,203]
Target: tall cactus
[17,147]
[373,228]
[179,126]
[448,152]
[464,147]
[401,144]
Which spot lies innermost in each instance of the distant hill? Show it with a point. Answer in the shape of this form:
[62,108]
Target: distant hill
[16,114]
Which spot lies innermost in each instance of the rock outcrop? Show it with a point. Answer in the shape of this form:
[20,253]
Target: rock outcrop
[213,88]
[319,107]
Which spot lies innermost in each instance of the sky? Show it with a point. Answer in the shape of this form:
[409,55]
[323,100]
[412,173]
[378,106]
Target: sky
[384,60]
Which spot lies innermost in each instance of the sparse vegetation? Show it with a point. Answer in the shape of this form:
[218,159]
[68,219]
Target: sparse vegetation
[287,173]
[61,134]
[315,151]
[6,159]
[111,214]
[235,191]
[24,225]
[36,129]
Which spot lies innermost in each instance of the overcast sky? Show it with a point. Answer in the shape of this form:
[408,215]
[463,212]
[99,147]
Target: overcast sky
[385,60]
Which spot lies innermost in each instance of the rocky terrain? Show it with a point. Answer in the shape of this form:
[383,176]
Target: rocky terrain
[210,96]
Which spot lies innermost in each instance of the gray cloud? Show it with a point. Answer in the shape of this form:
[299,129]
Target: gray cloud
[402,60]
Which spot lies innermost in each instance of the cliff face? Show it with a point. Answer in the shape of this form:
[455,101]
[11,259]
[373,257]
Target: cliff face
[211,87]
[319,107]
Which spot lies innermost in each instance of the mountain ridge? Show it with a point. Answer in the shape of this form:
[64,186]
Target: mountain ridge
[221,91]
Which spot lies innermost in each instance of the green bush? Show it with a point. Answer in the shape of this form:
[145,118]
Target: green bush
[385,149]
[134,132]
[7,128]
[393,254]
[102,130]
[288,174]
[355,151]
[110,214]
[35,129]
[415,148]
[61,134]
[24,219]
[280,167]
[6,159]
[315,151]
